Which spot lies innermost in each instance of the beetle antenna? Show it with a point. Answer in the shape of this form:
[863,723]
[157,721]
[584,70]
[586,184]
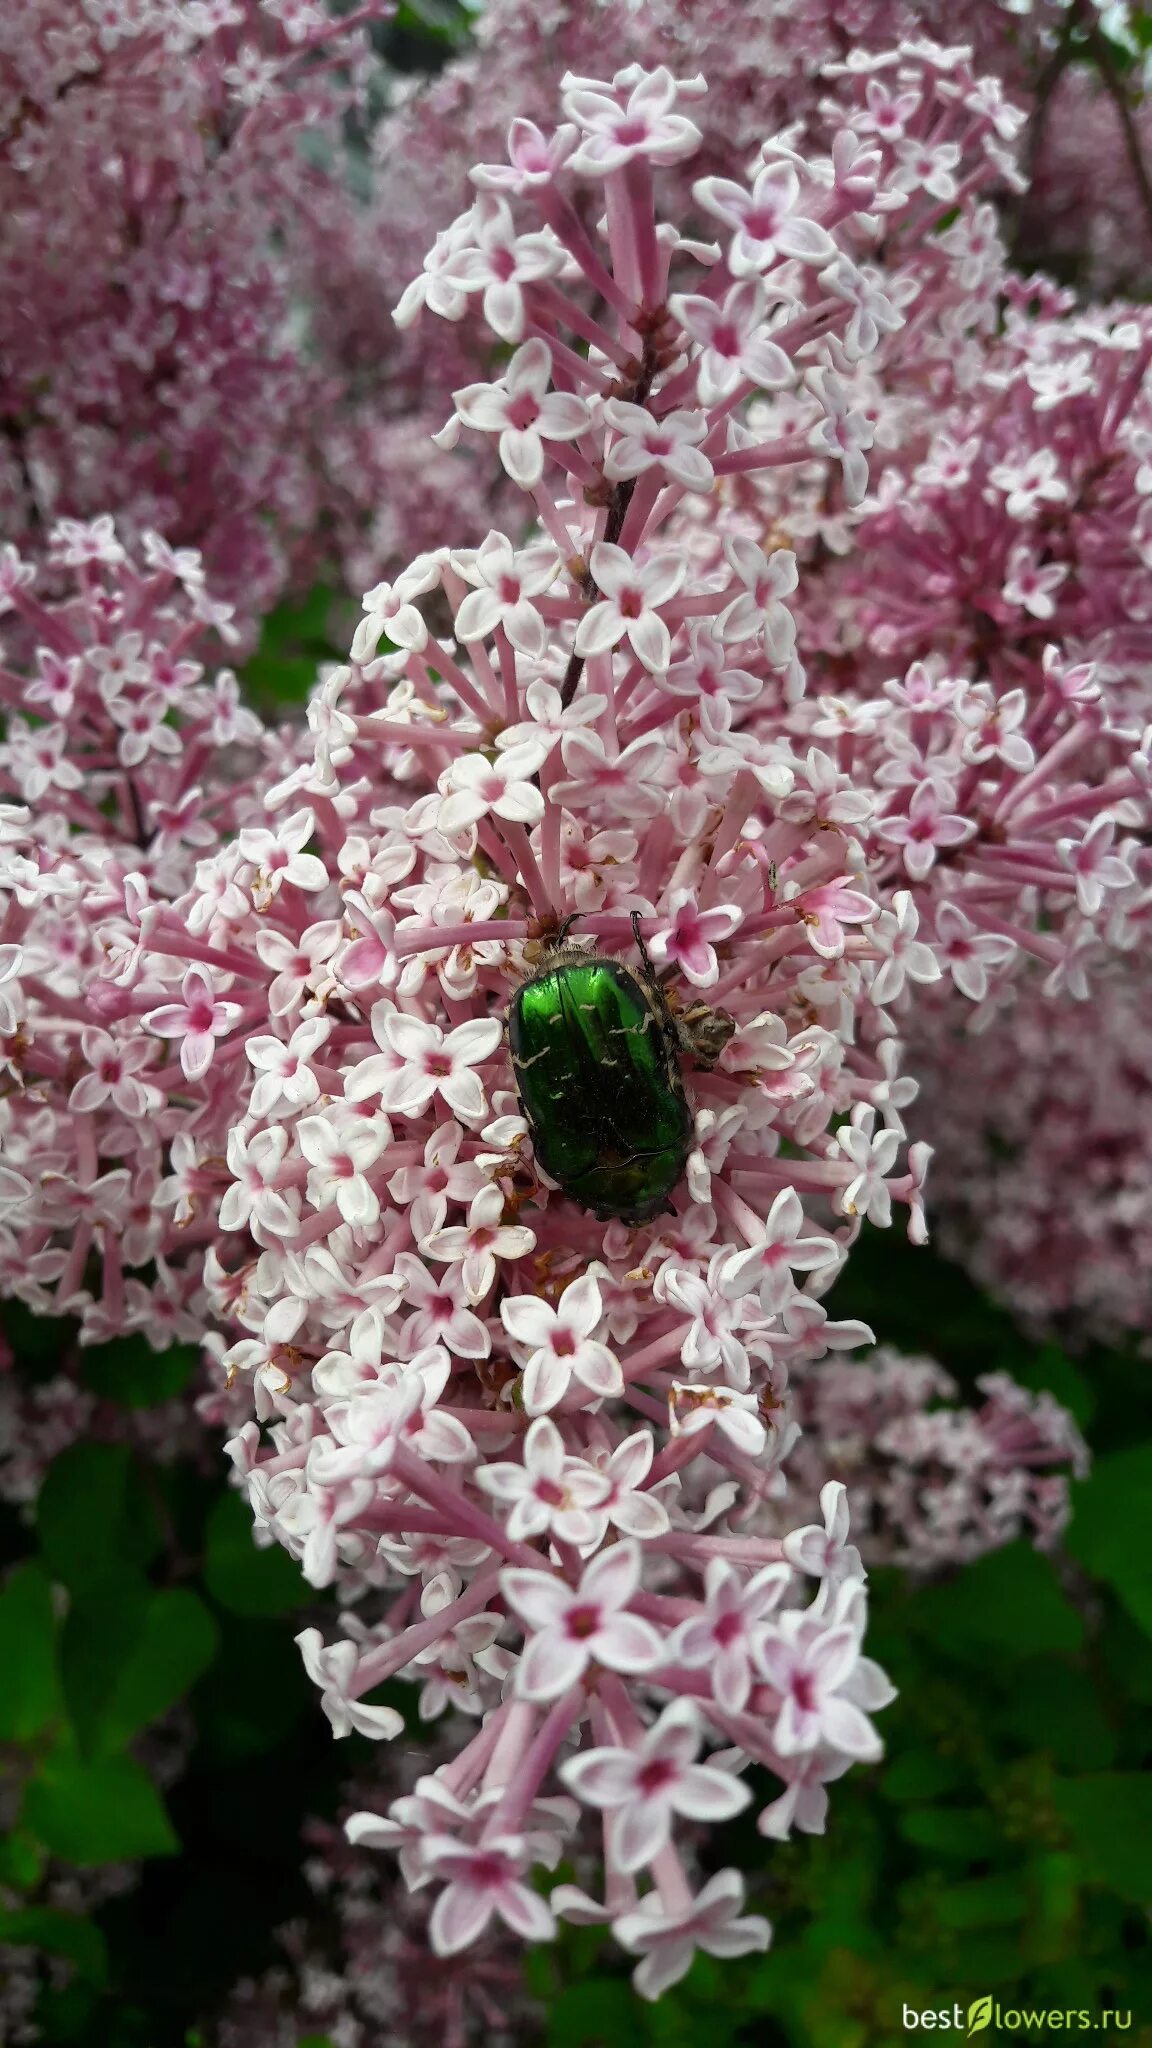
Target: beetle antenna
[566,925]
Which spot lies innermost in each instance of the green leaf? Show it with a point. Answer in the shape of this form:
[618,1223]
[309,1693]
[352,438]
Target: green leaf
[1009,1602]
[61,1934]
[1060,1711]
[94,1517]
[968,1832]
[598,2013]
[294,641]
[921,1774]
[21,1860]
[130,1372]
[126,1660]
[103,1811]
[255,1694]
[30,1688]
[1111,1511]
[980,2014]
[1109,1821]
[983,1902]
[242,1578]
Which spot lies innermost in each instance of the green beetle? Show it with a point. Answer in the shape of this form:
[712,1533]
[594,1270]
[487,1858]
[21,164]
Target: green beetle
[596,1049]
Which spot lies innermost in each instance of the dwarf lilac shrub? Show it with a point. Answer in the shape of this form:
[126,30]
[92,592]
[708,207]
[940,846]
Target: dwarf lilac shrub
[542,1454]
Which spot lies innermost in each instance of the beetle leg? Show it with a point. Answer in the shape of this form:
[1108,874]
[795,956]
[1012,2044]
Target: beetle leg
[642,949]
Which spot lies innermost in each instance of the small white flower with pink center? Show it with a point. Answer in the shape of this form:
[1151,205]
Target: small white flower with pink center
[629,605]
[571,1626]
[765,223]
[808,1664]
[722,1638]
[256,1199]
[484,1879]
[927,828]
[478,1243]
[550,1491]
[825,1552]
[1033,584]
[760,610]
[633,774]
[969,954]
[873,1154]
[520,408]
[1029,483]
[506,580]
[627,1504]
[431,1062]
[144,729]
[905,957]
[341,1149]
[705,676]
[441,1177]
[844,432]
[670,444]
[533,158]
[667,1937]
[689,938]
[766,1268]
[711,1341]
[996,720]
[286,1080]
[440,1314]
[561,1346]
[644,127]
[643,1788]
[279,857]
[1094,865]
[474,786]
[114,1066]
[735,345]
[367,1430]
[332,1667]
[197,1020]
[500,263]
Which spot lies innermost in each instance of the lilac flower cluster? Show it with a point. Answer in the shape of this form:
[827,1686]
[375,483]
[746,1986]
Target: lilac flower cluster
[162,227]
[122,770]
[1044,1189]
[934,1482]
[555,1433]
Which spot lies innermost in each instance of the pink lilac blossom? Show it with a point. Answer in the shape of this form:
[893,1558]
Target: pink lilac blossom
[932,1482]
[124,768]
[975,625]
[172,179]
[1045,1188]
[767,68]
[417,1301]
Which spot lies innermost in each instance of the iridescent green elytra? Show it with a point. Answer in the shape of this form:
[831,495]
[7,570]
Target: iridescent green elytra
[595,1050]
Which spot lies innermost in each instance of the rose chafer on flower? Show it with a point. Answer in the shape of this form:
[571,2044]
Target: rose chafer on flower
[596,1054]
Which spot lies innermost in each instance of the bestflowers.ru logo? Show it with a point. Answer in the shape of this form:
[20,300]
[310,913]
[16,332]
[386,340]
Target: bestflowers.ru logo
[1014,2019]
